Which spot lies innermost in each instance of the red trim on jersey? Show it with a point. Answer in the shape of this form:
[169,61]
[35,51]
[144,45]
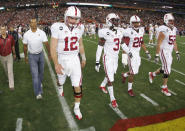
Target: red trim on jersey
[105,68]
[75,11]
[165,63]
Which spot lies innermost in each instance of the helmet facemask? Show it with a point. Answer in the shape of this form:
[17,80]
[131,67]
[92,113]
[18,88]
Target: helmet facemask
[72,22]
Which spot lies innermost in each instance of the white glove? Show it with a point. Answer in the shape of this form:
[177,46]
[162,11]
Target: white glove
[97,66]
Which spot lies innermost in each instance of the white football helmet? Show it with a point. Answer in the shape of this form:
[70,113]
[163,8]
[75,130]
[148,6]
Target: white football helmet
[134,18]
[168,17]
[109,21]
[73,12]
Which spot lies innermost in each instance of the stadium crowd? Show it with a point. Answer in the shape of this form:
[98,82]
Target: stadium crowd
[47,16]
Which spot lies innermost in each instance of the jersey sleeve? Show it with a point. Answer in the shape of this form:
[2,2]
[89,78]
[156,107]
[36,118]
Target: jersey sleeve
[45,39]
[162,29]
[101,33]
[82,30]
[25,39]
[126,33]
[54,30]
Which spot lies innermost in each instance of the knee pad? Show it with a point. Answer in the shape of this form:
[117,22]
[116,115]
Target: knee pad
[78,94]
[161,71]
[165,76]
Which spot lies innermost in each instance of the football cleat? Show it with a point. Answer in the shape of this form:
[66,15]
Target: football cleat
[61,92]
[165,91]
[123,78]
[39,96]
[131,93]
[103,89]
[151,77]
[114,104]
[77,113]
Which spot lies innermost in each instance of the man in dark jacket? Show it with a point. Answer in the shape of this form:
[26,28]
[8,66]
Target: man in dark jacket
[16,39]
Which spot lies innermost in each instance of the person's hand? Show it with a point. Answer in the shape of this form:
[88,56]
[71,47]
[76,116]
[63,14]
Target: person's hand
[156,58]
[97,66]
[26,60]
[130,55]
[178,56]
[83,63]
[14,56]
[58,69]
[148,55]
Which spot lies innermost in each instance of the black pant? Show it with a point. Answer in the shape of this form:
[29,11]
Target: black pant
[17,50]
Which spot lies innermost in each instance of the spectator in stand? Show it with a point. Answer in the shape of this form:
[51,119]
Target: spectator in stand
[6,49]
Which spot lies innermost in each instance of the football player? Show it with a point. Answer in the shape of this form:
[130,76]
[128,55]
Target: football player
[165,44]
[109,40]
[66,44]
[135,35]
[151,33]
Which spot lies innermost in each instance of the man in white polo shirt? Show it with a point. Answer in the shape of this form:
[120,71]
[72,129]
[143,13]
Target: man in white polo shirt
[33,41]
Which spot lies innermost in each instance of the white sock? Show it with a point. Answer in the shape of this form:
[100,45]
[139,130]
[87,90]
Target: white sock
[104,82]
[154,74]
[77,104]
[125,74]
[111,93]
[129,86]
[164,86]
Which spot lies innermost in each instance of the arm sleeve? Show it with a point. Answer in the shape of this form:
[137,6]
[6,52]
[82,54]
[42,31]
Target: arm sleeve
[25,40]
[54,31]
[45,39]
[98,53]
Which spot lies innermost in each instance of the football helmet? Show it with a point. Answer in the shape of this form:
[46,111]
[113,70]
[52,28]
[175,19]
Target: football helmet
[73,12]
[135,19]
[113,20]
[167,18]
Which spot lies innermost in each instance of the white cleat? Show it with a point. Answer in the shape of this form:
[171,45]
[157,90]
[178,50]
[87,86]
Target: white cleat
[151,77]
[166,92]
[77,113]
[61,91]
[39,96]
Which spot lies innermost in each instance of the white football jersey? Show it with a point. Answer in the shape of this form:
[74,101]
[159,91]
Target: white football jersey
[135,38]
[151,30]
[68,41]
[170,37]
[112,41]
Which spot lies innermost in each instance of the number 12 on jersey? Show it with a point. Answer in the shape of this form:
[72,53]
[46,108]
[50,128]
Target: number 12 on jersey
[70,46]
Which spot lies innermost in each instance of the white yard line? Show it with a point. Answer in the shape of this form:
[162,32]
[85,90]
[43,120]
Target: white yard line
[65,107]
[172,92]
[19,124]
[88,129]
[178,81]
[149,99]
[118,112]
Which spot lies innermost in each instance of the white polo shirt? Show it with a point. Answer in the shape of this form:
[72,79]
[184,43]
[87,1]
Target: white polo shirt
[35,40]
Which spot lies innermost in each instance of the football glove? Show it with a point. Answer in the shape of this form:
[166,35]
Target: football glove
[148,55]
[130,55]
[178,56]
[97,66]
[156,58]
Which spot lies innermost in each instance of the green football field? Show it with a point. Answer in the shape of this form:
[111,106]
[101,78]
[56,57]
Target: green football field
[47,114]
